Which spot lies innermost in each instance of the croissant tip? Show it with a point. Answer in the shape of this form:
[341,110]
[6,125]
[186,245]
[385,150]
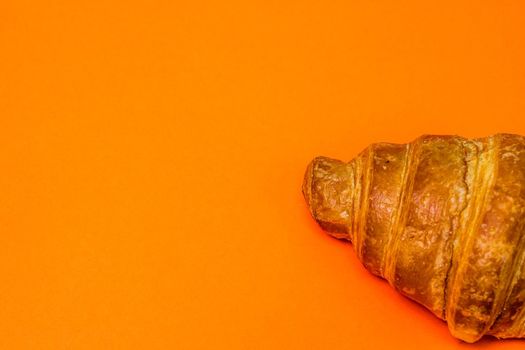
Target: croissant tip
[333,228]
[307,183]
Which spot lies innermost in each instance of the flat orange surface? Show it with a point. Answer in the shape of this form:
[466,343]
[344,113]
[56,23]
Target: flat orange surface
[152,155]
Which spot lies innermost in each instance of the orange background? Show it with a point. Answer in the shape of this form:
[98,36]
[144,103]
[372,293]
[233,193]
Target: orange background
[152,154]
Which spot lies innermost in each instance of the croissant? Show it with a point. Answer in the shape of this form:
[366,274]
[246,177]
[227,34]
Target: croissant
[442,219]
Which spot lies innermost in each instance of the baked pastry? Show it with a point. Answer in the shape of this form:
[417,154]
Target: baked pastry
[442,219]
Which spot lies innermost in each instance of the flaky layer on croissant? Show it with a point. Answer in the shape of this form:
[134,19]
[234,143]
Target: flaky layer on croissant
[442,219]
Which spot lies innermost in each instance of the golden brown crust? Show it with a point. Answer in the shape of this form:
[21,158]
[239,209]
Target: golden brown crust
[363,182]
[387,167]
[442,219]
[479,180]
[511,322]
[488,265]
[438,196]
